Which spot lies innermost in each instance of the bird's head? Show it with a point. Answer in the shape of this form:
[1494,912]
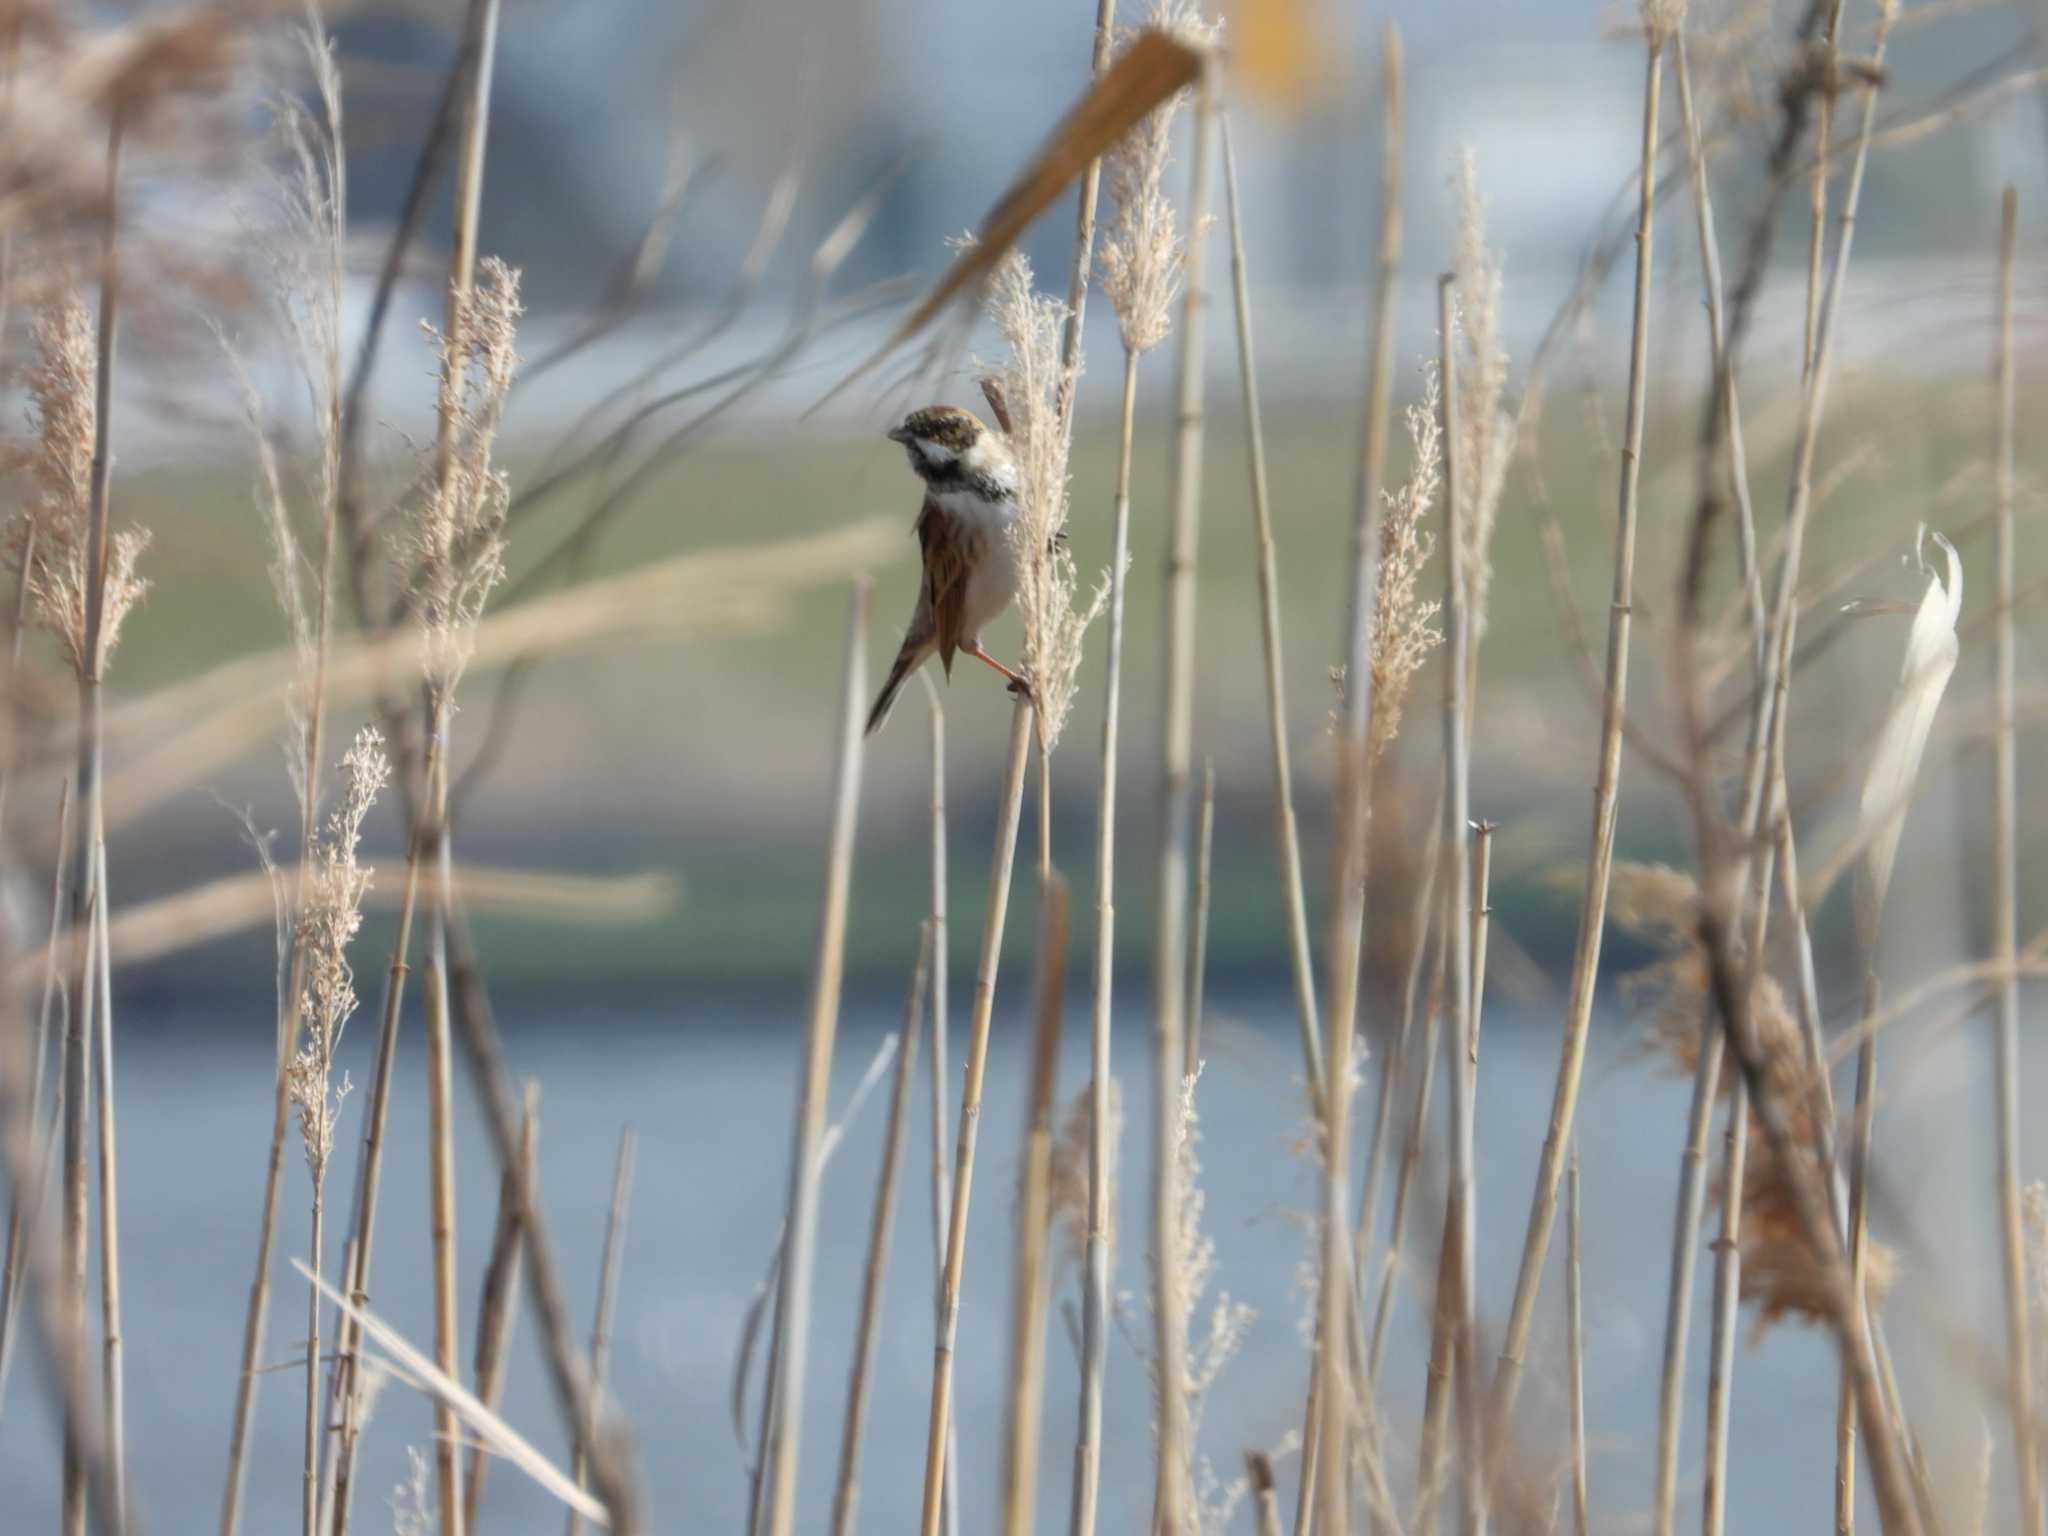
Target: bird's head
[947,445]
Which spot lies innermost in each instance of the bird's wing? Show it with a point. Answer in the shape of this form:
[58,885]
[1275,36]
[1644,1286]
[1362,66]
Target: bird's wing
[947,559]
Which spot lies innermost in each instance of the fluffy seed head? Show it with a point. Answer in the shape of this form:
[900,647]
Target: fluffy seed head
[1403,627]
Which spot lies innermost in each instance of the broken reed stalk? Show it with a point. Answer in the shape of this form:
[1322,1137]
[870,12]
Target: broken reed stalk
[86,897]
[25,1207]
[1285,829]
[1606,784]
[1686,1210]
[1095,1260]
[793,1297]
[498,1305]
[942,1183]
[1011,800]
[2005,894]
[1453,1344]
[867,1333]
[1575,1346]
[1169,953]
[1198,946]
[607,1307]
[1031,1299]
[1727,1304]
[1265,1502]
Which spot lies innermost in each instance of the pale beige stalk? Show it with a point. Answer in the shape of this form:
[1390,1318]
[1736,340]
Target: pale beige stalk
[1096,1258]
[1575,1345]
[1727,1302]
[607,1307]
[1606,785]
[793,1299]
[1198,946]
[1031,1281]
[1685,1219]
[942,1183]
[1011,802]
[1285,828]
[2005,893]
[867,1331]
[85,895]
[498,1305]
[1169,953]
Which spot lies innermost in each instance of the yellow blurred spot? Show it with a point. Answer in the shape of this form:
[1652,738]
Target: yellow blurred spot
[1280,51]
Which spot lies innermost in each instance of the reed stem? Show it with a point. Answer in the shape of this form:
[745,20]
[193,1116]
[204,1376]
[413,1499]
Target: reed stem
[799,1254]
[2005,900]
[1685,1219]
[1286,831]
[607,1307]
[498,1305]
[1011,801]
[1096,1259]
[1170,938]
[1606,785]
[867,1333]
[1198,946]
[1727,1303]
[942,1136]
[1575,1345]
[1031,1300]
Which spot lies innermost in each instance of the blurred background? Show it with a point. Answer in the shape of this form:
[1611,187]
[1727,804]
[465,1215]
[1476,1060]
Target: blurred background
[664,175]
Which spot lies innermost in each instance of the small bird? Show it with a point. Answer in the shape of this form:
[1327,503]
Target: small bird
[970,558]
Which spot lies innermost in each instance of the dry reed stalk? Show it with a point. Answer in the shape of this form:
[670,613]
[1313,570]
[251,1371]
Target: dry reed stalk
[1691,1201]
[1452,1342]
[1169,954]
[1727,1302]
[113,1401]
[1607,782]
[1575,1345]
[492,1431]
[1726,866]
[1084,244]
[793,1300]
[24,1207]
[867,1333]
[942,1184]
[441,1120]
[1393,1070]
[85,896]
[1096,1258]
[1031,1299]
[344,1396]
[498,1305]
[1372,459]
[1710,271]
[1198,946]
[1285,828]
[939,1428]
[1411,1146]
[62,1346]
[607,1307]
[312,278]
[2005,894]
[1258,1469]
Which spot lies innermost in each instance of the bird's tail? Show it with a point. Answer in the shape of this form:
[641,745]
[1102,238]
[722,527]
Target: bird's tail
[899,674]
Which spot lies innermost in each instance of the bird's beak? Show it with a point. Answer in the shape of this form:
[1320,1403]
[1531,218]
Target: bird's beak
[898,435]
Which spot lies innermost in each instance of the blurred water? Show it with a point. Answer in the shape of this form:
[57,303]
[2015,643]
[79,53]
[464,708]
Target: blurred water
[710,1093]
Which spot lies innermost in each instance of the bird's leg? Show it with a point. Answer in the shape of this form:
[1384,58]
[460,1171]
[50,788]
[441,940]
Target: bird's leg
[1018,682]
